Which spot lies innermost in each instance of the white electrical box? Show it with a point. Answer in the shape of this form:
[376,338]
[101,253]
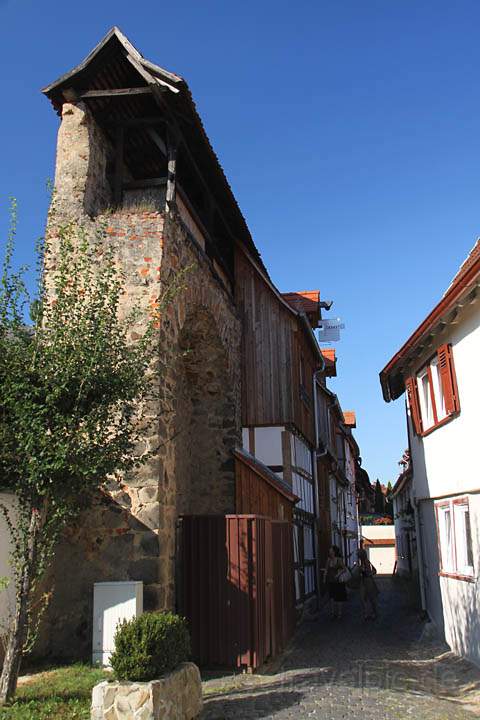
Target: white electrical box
[112,603]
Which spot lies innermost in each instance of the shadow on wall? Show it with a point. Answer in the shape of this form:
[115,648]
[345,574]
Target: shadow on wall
[427,543]
[205,423]
[462,603]
[108,543]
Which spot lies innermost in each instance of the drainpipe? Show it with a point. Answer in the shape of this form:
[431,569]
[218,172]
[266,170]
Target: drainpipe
[315,473]
[421,576]
[418,531]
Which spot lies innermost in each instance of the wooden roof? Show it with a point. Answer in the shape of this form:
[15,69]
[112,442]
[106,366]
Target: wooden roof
[146,90]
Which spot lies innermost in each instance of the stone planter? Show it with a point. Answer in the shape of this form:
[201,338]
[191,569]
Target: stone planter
[176,696]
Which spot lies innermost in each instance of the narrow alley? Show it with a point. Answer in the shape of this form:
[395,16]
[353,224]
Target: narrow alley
[356,670]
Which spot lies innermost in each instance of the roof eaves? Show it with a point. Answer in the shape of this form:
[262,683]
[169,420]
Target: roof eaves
[452,299]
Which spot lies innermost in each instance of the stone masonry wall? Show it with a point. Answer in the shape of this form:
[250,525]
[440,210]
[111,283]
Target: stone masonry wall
[129,533]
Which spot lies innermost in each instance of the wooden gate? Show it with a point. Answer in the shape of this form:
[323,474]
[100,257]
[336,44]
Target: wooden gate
[235,587]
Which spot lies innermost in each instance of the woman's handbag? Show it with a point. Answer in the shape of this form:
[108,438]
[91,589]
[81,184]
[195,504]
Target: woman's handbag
[344,576]
[356,578]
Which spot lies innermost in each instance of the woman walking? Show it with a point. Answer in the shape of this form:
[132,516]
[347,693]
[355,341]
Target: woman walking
[336,590]
[368,586]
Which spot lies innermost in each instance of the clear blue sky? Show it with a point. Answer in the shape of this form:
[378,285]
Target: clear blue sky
[349,130]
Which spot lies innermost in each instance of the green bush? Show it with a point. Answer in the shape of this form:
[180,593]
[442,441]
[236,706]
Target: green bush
[149,646]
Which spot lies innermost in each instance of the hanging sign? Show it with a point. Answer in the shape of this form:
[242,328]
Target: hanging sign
[329,329]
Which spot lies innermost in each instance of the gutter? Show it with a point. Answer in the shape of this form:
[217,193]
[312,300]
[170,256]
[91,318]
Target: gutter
[449,303]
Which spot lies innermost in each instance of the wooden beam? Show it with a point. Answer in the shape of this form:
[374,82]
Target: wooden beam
[137,122]
[158,141]
[181,139]
[116,92]
[119,150]
[146,183]
[172,145]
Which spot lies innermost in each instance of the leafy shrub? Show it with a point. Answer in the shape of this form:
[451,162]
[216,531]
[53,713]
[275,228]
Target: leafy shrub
[149,646]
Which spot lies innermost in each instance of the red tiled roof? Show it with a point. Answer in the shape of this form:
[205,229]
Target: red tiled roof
[329,354]
[472,256]
[303,300]
[391,378]
[330,360]
[349,418]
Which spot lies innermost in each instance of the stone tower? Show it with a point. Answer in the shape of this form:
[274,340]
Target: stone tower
[134,159]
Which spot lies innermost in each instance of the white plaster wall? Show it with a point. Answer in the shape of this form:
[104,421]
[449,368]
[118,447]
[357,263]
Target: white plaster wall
[6,596]
[376,532]
[445,463]
[383,558]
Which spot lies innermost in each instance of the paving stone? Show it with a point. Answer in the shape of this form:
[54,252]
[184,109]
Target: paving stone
[355,670]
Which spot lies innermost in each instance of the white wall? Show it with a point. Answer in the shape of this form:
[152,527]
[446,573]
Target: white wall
[445,460]
[445,463]
[382,556]
[6,596]
[377,532]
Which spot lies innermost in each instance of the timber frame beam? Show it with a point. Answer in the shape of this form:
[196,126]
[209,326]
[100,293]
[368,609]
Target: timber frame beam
[115,93]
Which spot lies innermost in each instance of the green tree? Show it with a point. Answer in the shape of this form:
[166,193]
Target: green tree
[379,502]
[389,500]
[74,402]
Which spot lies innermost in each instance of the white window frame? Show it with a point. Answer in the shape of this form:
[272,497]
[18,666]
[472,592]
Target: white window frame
[455,538]
[430,395]
[426,406]
[438,390]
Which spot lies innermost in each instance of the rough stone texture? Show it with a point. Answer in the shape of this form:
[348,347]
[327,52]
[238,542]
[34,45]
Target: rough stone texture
[354,670]
[130,532]
[177,696]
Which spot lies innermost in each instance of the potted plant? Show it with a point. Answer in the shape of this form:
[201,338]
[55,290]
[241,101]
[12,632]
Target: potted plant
[153,677]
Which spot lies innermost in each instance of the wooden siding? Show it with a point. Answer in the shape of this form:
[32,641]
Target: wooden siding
[254,495]
[274,344]
[236,588]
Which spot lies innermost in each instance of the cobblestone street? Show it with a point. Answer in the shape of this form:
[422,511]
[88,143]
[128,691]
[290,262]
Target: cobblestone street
[352,669]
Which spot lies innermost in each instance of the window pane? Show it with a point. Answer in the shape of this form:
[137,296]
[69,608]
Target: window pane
[446,538]
[425,400]
[296,549]
[438,390]
[298,593]
[463,540]
[468,538]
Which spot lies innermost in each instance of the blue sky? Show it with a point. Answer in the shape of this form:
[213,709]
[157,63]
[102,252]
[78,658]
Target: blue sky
[349,131]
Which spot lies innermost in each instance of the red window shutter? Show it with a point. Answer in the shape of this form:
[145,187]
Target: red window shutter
[413,402]
[448,378]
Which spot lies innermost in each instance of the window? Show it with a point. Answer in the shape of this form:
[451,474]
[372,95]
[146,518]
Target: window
[424,389]
[455,538]
[437,389]
[432,393]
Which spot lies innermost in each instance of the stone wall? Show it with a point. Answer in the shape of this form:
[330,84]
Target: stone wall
[176,696]
[129,533]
